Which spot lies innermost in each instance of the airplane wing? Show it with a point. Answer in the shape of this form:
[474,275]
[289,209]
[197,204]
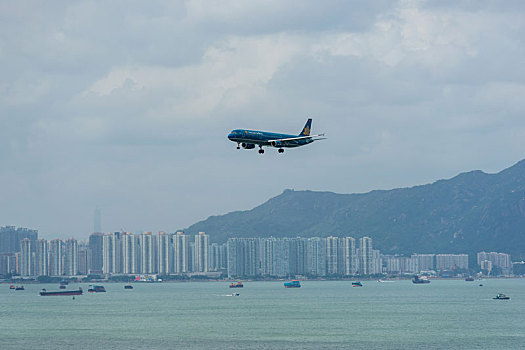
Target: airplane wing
[315,137]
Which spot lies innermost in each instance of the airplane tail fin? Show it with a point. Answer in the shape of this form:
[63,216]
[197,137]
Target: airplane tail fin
[307,127]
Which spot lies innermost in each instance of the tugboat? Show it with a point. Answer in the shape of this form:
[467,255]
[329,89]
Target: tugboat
[236,285]
[356,284]
[96,289]
[501,296]
[292,284]
[420,280]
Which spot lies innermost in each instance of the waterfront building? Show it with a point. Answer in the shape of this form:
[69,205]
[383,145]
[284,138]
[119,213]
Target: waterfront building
[41,258]
[109,254]
[148,253]
[71,257]
[377,262]
[451,261]
[365,256]
[218,257]
[316,256]
[347,259]
[165,252]
[201,255]
[181,254]
[83,266]
[500,260]
[297,255]
[8,263]
[128,253]
[96,258]
[243,257]
[26,258]
[11,236]
[56,257]
[332,248]
[425,262]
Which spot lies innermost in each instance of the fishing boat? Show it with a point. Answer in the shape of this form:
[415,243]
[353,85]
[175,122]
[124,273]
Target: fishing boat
[61,292]
[501,296]
[292,284]
[357,284]
[236,285]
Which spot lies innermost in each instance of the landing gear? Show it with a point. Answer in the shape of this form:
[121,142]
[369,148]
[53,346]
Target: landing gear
[261,151]
[281,150]
[238,145]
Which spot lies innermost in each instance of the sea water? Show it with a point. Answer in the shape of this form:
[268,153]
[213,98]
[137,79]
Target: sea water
[445,314]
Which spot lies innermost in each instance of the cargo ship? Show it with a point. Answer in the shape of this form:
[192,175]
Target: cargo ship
[96,289]
[61,292]
[236,285]
[292,284]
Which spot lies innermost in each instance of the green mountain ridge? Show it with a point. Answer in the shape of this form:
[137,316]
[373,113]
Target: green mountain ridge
[471,212]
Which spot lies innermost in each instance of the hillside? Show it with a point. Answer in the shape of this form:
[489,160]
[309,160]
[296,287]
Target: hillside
[471,212]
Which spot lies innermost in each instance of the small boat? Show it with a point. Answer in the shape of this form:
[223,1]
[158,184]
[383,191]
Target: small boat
[292,284]
[481,285]
[128,286]
[19,288]
[96,289]
[501,296]
[357,284]
[236,285]
[12,286]
[62,286]
[235,294]
[61,292]
[469,279]
[420,280]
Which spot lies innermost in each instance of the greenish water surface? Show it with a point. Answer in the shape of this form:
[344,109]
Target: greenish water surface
[446,314]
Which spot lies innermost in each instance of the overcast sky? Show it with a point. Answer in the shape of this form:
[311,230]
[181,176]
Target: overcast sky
[126,105]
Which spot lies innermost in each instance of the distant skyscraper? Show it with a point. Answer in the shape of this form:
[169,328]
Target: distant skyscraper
[26,258]
[316,251]
[365,256]
[129,253]
[41,258]
[164,253]
[56,258]
[71,257]
[109,253]
[83,268]
[97,220]
[202,242]
[95,252]
[181,253]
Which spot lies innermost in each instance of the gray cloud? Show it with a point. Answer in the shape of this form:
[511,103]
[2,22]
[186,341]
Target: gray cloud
[127,105]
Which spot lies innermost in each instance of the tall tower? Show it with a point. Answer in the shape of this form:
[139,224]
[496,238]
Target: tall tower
[71,257]
[95,252]
[41,258]
[181,253]
[56,262]
[26,258]
[164,253]
[202,242]
[365,256]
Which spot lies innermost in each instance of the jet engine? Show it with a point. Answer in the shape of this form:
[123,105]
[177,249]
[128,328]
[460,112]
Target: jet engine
[277,143]
[247,145]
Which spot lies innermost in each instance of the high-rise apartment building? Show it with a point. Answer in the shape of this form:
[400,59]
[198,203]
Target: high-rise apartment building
[181,249]
[56,258]
[148,253]
[202,242]
[96,258]
[451,261]
[347,263]
[71,257]
[425,262]
[109,254]
[243,257]
[165,252]
[26,258]
[129,253]
[365,256]
[332,250]
[11,236]
[41,258]
[316,256]
[500,260]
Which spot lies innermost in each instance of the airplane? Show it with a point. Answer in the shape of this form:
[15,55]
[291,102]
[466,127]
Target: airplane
[247,139]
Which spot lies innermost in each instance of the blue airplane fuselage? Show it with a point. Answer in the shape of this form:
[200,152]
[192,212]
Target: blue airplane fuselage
[262,138]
